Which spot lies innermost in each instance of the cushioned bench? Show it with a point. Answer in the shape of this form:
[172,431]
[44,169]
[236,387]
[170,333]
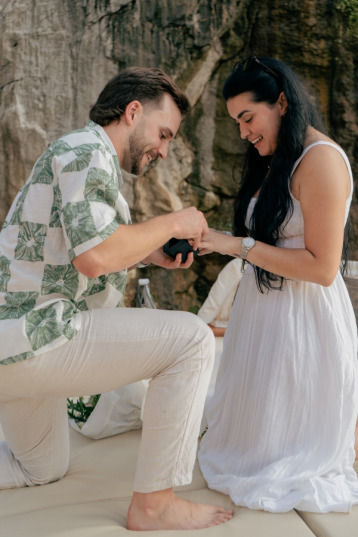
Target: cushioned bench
[93,498]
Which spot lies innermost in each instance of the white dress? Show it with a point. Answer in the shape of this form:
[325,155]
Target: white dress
[282,418]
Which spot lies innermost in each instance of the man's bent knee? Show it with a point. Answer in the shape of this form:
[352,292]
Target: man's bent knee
[41,473]
[43,477]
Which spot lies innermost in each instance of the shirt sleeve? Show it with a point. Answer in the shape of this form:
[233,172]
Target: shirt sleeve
[89,191]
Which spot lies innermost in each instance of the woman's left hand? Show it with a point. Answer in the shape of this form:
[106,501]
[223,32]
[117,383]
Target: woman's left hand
[212,241]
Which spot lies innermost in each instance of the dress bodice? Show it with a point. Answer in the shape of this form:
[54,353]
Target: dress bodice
[292,229]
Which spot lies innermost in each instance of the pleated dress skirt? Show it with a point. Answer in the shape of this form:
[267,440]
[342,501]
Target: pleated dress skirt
[282,418]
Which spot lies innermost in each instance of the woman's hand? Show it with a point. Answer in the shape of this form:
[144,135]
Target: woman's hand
[214,241]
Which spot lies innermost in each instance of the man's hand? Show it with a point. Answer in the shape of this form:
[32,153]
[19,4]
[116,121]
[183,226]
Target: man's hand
[158,257]
[190,224]
[131,244]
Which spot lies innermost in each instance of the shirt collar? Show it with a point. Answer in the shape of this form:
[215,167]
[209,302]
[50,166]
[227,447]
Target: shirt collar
[108,142]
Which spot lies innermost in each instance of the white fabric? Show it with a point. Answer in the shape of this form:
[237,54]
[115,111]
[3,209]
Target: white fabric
[116,412]
[92,500]
[217,306]
[114,347]
[218,352]
[283,415]
[352,269]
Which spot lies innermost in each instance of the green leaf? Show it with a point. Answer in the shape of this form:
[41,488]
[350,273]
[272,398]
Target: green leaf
[78,164]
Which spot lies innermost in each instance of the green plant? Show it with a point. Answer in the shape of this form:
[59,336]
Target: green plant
[80,408]
[349,8]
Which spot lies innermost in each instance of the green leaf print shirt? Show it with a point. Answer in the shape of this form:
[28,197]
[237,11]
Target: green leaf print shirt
[70,203]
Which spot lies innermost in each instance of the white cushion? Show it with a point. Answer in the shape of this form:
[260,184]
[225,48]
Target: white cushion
[93,498]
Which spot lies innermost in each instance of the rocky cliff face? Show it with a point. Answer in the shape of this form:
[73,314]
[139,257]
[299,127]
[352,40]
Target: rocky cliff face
[56,56]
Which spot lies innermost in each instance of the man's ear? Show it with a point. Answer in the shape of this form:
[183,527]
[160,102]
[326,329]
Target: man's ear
[282,101]
[132,111]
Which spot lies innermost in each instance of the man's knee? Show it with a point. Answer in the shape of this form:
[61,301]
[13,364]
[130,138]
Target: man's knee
[40,468]
[204,337]
[15,473]
[203,330]
[43,475]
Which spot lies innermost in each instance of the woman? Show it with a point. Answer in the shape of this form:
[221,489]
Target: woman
[282,419]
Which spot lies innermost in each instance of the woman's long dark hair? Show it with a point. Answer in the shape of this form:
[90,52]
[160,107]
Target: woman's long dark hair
[271,174]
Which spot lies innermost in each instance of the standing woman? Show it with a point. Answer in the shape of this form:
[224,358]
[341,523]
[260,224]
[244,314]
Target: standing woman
[282,418]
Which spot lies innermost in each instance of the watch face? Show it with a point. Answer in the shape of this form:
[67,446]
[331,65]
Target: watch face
[248,242]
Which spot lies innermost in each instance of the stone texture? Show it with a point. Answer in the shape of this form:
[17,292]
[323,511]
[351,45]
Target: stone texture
[56,56]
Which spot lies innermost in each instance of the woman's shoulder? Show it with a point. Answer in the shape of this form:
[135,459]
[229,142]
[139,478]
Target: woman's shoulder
[320,150]
[319,141]
[321,157]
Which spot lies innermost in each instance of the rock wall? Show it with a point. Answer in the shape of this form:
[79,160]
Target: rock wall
[56,56]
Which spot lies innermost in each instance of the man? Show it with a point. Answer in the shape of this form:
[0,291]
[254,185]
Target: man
[65,248]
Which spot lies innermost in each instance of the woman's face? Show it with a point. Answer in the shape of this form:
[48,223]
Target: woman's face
[259,123]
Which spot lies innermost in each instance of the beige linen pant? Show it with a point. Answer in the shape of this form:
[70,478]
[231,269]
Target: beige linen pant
[114,347]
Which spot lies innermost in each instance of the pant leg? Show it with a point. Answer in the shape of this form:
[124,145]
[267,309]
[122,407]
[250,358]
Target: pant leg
[113,348]
[172,415]
[37,431]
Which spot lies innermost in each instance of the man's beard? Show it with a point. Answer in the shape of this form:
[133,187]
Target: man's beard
[136,150]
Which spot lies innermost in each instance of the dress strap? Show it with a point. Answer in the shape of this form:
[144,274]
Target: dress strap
[335,146]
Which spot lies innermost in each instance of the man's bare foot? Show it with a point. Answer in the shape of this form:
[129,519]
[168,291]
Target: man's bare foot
[163,510]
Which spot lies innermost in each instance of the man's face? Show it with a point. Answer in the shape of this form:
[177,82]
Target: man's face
[151,136]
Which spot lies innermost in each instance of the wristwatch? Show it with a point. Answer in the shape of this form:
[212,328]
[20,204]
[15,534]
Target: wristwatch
[246,244]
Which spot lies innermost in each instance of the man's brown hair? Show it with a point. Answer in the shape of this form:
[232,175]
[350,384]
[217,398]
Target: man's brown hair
[143,84]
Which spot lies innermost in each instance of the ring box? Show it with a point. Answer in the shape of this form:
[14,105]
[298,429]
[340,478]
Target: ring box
[174,246]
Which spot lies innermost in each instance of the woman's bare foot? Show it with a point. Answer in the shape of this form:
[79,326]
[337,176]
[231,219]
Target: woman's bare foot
[163,510]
